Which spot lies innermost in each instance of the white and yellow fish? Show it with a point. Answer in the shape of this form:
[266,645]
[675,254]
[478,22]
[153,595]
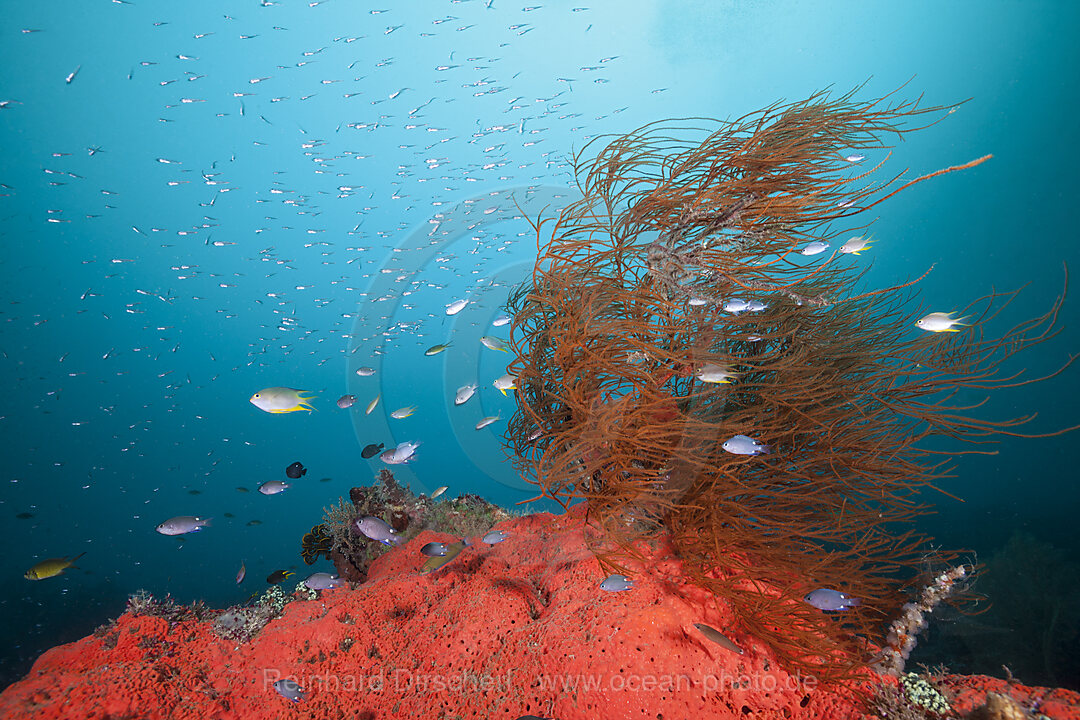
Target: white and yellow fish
[504,383]
[281,400]
[940,322]
[715,374]
[403,412]
[855,245]
[494,343]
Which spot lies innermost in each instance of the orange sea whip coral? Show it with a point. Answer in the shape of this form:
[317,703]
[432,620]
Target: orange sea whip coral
[625,306]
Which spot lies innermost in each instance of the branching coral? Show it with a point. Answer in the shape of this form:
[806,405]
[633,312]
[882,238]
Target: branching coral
[647,280]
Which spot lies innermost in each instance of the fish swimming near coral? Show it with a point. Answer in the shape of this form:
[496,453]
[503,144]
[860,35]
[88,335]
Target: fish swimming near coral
[494,343]
[403,453]
[616,583]
[940,322]
[463,394]
[371,451]
[434,549]
[855,245]
[484,422]
[51,567]
[457,306]
[376,529]
[715,374]
[744,445]
[278,575]
[831,600]
[437,562]
[273,487]
[323,581]
[495,536]
[182,525]
[505,382]
[290,690]
[736,306]
[279,400]
[814,248]
[719,638]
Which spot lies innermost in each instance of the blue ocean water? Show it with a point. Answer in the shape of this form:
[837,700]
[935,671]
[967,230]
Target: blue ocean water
[204,199]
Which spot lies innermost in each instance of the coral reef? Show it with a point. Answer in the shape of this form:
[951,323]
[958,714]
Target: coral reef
[239,623]
[143,603]
[920,691]
[978,697]
[672,309]
[517,628]
[908,698]
[409,514]
[999,707]
[936,695]
[243,622]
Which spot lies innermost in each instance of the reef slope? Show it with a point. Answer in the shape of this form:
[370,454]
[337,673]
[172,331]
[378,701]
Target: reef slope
[517,628]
